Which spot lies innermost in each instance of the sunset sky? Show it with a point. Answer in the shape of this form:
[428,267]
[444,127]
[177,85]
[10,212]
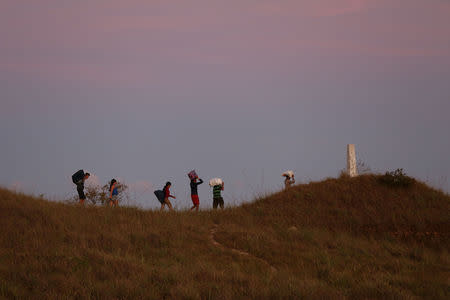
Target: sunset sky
[145,91]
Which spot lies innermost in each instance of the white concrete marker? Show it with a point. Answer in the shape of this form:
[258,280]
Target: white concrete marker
[351,161]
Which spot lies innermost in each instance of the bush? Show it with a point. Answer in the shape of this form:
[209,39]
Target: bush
[396,178]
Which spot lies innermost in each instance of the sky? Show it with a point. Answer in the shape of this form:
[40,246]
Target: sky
[145,91]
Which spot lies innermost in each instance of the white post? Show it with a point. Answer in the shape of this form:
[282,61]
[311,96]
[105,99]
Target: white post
[351,161]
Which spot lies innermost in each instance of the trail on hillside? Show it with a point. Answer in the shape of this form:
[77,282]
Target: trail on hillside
[213,231]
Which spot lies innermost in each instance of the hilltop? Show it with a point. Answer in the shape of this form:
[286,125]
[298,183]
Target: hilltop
[338,238]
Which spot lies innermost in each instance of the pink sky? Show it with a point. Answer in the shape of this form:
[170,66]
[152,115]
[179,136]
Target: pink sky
[259,72]
[129,41]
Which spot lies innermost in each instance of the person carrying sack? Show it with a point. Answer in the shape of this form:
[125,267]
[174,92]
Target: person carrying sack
[194,192]
[167,195]
[289,179]
[217,196]
[78,179]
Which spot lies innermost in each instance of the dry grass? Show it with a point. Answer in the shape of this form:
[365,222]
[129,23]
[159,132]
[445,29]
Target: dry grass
[353,238]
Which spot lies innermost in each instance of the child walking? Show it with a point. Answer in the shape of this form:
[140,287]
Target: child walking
[167,195]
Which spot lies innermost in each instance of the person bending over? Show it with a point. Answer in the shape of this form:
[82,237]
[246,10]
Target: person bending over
[79,178]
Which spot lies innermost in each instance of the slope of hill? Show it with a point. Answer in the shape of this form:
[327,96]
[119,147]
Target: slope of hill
[339,238]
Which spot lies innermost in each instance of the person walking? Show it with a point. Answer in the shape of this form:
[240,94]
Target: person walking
[194,192]
[289,179]
[167,195]
[113,193]
[78,179]
[217,196]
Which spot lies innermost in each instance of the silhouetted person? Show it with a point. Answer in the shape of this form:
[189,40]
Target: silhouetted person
[167,195]
[113,193]
[79,178]
[217,196]
[194,193]
[288,181]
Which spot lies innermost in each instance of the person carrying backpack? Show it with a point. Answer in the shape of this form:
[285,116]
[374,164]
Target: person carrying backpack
[113,193]
[167,195]
[78,179]
[194,192]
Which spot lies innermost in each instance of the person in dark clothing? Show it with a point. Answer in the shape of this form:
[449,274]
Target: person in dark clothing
[194,193]
[217,197]
[79,178]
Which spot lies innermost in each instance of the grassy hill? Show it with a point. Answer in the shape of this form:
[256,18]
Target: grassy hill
[339,238]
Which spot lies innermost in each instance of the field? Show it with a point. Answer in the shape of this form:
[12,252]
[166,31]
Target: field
[344,238]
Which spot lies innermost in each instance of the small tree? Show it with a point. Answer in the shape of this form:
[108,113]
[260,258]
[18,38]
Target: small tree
[97,194]
[122,196]
[362,167]
[396,178]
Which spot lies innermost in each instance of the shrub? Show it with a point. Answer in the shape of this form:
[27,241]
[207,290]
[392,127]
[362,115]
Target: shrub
[362,167]
[396,178]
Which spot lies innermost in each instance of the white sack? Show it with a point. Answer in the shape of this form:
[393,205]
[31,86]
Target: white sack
[215,181]
[290,174]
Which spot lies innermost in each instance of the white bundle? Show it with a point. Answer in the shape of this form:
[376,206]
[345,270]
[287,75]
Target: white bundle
[289,174]
[215,181]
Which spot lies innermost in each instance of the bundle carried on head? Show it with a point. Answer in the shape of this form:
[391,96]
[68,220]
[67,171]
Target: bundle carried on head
[215,181]
[289,174]
[192,175]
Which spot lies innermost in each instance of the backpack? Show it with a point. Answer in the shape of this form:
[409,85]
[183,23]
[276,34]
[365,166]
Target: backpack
[160,195]
[78,176]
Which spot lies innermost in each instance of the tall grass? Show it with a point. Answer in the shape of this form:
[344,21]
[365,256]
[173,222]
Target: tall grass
[339,238]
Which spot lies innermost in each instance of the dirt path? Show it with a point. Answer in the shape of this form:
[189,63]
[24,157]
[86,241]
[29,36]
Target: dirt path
[213,231]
